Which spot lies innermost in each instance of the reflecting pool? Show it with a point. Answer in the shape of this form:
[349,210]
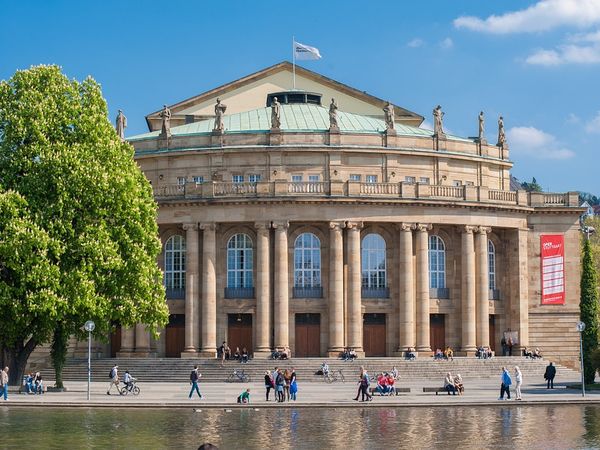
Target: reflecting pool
[529,427]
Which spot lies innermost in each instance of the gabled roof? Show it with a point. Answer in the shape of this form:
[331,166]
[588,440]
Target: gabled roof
[294,117]
[402,114]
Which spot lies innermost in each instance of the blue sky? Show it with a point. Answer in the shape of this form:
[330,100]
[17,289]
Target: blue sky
[535,62]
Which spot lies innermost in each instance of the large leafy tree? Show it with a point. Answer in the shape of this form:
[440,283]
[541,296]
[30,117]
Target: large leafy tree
[78,232]
[588,306]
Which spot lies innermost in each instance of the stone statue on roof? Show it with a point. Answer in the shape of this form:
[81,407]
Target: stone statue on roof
[219,111]
[275,114]
[388,115]
[481,127]
[165,114]
[121,124]
[333,122]
[501,135]
[438,121]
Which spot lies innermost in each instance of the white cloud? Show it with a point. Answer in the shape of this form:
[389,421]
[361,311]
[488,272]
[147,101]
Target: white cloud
[416,43]
[542,16]
[566,54]
[585,37]
[447,44]
[572,118]
[537,144]
[593,125]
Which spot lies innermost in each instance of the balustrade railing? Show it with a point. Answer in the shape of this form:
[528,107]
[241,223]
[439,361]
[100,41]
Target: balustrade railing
[380,188]
[555,199]
[223,188]
[502,196]
[447,191]
[307,187]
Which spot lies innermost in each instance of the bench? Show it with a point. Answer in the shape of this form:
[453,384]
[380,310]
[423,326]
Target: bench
[437,390]
[398,390]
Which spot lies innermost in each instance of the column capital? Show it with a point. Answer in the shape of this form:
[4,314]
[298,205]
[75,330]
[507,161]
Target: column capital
[405,226]
[208,226]
[467,229]
[280,224]
[484,230]
[262,226]
[354,225]
[423,227]
[337,226]
[190,226]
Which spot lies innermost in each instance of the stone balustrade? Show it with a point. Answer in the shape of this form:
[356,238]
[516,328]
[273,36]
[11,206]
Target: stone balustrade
[355,189]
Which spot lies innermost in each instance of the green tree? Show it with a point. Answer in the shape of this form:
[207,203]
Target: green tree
[85,239]
[588,307]
[532,187]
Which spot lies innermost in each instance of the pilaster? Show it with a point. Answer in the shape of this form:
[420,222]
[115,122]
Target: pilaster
[468,296]
[281,291]
[263,304]
[336,288]
[192,276]
[422,303]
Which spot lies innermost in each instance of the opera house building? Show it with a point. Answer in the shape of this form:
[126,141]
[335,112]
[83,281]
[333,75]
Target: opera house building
[289,219]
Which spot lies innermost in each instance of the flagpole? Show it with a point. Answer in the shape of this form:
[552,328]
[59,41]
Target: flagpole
[294,62]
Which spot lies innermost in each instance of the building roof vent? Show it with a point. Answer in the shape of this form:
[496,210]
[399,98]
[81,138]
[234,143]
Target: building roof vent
[294,97]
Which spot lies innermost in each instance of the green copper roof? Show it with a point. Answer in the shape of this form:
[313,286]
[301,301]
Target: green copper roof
[297,117]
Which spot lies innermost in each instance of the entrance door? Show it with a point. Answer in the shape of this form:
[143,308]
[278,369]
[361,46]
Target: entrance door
[239,332]
[308,335]
[437,331]
[374,334]
[493,332]
[175,336]
[115,342]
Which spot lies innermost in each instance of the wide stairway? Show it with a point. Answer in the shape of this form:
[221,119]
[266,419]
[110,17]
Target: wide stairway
[178,370]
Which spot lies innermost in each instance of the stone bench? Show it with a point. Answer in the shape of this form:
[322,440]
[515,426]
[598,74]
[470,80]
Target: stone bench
[437,390]
[397,390]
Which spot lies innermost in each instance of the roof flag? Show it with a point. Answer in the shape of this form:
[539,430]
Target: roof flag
[304,52]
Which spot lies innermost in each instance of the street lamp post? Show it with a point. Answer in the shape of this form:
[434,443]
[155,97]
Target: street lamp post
[89,327]
[580,328]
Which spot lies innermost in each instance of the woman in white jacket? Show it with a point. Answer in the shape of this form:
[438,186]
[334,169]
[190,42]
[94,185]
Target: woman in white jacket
[519,381]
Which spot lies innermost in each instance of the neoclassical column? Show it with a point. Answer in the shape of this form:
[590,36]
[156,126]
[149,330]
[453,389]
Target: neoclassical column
[336,288]
[281,293]
[423,321]
[127,342]
[355,323]
[407,296]
[263,304]
[142,340]
[483,287]
[209,290]
[468,290]
[192,275]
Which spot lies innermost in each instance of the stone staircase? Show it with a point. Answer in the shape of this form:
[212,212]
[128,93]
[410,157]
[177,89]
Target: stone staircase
[178,370]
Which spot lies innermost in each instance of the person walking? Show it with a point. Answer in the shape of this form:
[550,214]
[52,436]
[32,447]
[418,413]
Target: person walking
[363,386]
[293,385]
[114,379]
[269,383]
[4,383]
[279,384]
[194,377]
[549,375]
[505,386]
[519,382]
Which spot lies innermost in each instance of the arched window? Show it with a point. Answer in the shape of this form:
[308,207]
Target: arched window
[175,267]
[239,264]
[437,262]
[373,267]
[307,266]
[491,264]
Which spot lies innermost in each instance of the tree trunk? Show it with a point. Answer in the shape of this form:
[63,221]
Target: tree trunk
[16,360]
[58,353]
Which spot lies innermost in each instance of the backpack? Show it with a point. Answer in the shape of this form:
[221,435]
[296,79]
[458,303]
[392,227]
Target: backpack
[111,374]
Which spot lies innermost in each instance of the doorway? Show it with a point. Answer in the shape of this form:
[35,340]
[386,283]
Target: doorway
[239,332]
[437,331]
[115,341]
[374,334]
[308,335]
[175,336]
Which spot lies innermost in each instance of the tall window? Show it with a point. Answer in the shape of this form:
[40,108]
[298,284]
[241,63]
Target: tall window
[371,178]
[373,262]
[175,263]
[239,261]
[437,262]
[492,264]
[307,261]
[237,178]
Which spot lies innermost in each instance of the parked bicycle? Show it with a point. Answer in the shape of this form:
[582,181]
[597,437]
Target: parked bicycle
[238,376]
[131,388]
[334,376]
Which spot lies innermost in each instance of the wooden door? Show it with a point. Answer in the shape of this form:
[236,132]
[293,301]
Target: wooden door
[374,334]
[493,332]
[115,342]
[175,336]
[308,335]
[239,332]
[437,331]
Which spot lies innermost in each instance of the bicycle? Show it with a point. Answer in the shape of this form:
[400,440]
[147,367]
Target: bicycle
[132,388]
[334,376]
[238,376]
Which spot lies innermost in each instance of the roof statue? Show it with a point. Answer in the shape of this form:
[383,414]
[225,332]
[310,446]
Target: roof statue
[275,114]
[388,114]
[438,121]
[481,134]
[501,135]
[121,124]
[219,111]
[333,119]
[165,114]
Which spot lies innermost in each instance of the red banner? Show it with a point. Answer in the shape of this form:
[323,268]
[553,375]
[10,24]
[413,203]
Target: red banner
[553,269]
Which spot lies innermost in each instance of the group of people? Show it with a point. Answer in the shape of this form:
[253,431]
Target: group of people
[506,382]
[410,354]
[281,353]
[224,353]
[114,380]
[532,354]
[33,383]
[454,384]
[447,354]
[385,384]
[283,382]
[349,354]
[484,353]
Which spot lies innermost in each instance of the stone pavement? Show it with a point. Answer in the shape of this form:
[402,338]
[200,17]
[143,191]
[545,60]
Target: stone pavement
[338,394]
